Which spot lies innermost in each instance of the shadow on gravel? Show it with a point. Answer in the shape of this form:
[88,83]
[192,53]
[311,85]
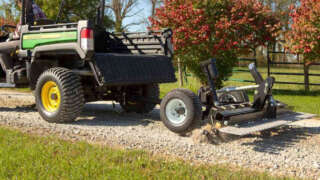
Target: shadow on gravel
[108,115]
[281,139]
[29,108]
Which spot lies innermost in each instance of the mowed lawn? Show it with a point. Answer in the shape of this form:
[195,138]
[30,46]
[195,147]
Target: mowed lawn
[293,95]
[29,157]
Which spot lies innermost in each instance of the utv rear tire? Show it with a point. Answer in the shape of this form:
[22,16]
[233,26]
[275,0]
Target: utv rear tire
[59,95]
[150,91]
[181,111]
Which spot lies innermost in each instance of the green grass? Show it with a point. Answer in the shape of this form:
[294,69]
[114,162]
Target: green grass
[29,157]
[293,95]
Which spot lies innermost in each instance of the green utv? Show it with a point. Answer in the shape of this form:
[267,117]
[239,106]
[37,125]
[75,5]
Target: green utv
[70,64]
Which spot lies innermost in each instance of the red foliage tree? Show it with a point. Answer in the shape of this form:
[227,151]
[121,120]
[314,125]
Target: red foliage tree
[211,28]
[304,36]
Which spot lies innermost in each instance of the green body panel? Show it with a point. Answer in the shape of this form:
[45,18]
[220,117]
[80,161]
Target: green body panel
[32,40]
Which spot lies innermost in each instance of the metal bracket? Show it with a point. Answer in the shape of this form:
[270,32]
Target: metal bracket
[96,73]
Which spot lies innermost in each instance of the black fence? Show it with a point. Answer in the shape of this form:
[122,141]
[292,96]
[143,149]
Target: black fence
[237,70]
[272,61]
[299,62]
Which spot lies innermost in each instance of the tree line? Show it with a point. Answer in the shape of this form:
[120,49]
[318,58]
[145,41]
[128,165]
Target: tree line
[116,11]
[203,29]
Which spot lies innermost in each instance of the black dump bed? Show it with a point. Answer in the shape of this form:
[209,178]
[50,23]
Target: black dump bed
[126,69]
[136,58]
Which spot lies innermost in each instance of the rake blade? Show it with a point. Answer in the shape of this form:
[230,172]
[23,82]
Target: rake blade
[256,126]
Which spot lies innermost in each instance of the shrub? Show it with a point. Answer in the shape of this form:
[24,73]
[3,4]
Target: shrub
[215,28]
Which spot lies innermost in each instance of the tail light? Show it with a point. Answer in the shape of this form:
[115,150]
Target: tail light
[87,41]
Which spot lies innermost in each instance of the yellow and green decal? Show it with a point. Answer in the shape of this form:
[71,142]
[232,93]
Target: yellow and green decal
[30,41]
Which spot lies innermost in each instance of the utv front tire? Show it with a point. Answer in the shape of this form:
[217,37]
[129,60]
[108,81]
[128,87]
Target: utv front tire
[59,95]
[181,111]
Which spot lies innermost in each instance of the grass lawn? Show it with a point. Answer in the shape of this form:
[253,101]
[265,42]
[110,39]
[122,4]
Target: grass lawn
[293,95]
[29,157]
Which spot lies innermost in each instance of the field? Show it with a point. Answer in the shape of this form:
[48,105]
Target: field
[293,95]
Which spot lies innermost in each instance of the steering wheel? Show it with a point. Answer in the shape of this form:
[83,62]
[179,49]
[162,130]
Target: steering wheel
[5,30]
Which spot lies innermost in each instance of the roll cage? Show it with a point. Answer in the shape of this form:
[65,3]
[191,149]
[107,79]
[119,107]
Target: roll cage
[27,16]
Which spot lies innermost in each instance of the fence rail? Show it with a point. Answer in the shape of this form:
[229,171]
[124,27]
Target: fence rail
[306,69]
[236,70]
[271,62]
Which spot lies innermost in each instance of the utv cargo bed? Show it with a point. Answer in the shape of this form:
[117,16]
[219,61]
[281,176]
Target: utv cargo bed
[129,69]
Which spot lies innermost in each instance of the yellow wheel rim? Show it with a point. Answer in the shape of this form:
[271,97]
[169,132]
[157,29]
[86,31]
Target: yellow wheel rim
[50,96]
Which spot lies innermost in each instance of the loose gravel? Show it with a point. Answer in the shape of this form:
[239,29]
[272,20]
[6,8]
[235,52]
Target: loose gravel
[292,151]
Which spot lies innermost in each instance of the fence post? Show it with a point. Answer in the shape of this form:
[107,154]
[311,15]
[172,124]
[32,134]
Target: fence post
[306,77]
[269,60]
[180,73]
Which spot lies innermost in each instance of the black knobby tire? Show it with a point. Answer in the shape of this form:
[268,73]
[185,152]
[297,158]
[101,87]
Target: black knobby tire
[193,111]
[71,93]
[235,97]
[150,91]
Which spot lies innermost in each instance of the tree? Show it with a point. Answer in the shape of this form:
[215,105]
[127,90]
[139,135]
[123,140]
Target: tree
[304,36]
[281,8]
[73,10]
[154,4]
[6,21]
[220,29]
[8,15]
[8,10]
[123,9]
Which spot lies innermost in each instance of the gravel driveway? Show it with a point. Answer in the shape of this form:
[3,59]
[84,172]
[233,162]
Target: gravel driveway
[291,151]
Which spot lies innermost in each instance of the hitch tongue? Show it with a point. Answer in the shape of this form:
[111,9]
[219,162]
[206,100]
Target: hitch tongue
[255,73]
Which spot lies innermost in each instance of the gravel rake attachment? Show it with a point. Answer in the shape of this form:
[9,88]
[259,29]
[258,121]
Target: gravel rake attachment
[265,124]
[228,110]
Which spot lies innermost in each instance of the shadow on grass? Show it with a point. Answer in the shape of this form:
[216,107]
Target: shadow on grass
[281,139]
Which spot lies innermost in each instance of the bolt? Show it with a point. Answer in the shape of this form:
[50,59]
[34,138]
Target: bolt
[54,96]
